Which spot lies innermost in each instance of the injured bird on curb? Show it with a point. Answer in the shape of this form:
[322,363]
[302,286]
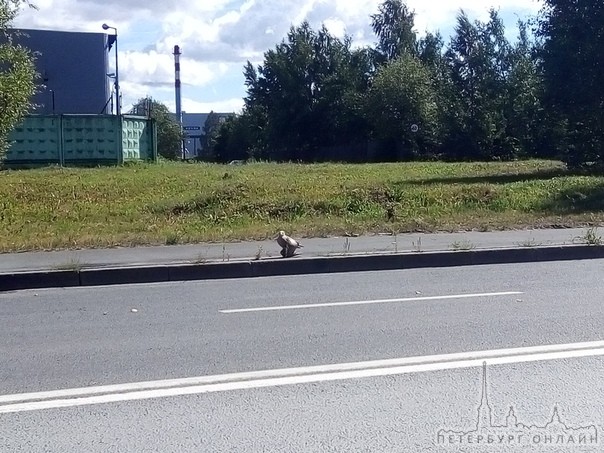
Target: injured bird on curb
[288,245]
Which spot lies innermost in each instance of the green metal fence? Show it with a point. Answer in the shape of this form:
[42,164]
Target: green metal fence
[82,140]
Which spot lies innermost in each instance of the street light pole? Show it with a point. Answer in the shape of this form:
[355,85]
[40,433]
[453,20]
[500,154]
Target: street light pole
[118,106]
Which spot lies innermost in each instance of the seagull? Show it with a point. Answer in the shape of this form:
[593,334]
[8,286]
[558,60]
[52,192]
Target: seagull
[288,245]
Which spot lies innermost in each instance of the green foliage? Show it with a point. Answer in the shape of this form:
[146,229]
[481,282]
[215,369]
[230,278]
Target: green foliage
[169,134]
[393,26]
[478,58]
[402,95]
[523,105]
[305,96]
[478,97]
[235,139]
[17,75]
[572,55]
[210,133]
[430,50]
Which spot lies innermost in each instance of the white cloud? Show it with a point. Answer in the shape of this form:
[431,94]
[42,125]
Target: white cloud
[152,74]
[433,15]
[155,68]
[336,27]
[233,105]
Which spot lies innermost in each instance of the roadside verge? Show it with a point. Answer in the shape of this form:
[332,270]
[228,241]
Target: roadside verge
[291,266]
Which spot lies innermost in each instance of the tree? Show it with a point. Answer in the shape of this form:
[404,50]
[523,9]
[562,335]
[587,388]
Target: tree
[304,96]
[430,50]
[210,131]
[572,56]
[17,74]
[431,54]
[235,139]
[169,133]
[402,96]
[523,107]
[393,26]
[478,60]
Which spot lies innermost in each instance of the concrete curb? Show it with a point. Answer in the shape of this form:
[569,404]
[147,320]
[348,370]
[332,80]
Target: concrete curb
[296,266]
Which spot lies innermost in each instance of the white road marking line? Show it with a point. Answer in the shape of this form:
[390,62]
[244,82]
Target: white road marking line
[368,302]
[290,376]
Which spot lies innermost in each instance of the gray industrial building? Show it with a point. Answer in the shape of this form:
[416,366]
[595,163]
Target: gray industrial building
[73,67]
[193,126]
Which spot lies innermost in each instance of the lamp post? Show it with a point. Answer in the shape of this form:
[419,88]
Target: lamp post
[118,108]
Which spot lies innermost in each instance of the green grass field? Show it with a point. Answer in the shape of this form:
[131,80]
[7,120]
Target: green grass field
[172,203]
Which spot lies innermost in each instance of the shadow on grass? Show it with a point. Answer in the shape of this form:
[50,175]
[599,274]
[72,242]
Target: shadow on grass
[577,200]
[495,179]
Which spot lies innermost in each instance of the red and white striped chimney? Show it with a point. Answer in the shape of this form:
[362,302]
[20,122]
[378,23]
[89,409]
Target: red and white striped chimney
[177,54]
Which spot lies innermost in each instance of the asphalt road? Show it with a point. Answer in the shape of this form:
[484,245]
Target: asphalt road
[74,338]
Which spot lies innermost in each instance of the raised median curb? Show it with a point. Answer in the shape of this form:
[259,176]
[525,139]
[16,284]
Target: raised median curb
[292,266]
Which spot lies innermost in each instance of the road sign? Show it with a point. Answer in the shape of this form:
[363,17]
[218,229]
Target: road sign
[414,128]
[192,128]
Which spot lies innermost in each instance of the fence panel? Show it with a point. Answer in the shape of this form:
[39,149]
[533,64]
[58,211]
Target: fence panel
[81,140]
[138,139]
[90,139]
[36,141]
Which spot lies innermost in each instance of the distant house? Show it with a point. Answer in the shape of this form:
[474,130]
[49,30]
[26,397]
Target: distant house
[73,68]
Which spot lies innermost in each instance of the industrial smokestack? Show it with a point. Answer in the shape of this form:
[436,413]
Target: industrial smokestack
[177,92]
[177,54]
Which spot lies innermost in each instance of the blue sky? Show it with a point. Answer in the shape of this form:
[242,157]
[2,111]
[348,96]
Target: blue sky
[217,37]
